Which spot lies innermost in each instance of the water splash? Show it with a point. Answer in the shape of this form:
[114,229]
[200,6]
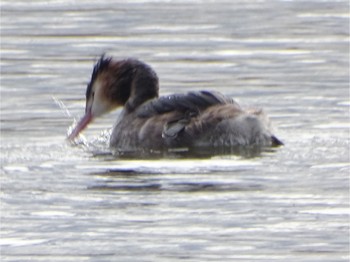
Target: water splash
[67,113]
[80,140]
[62,106]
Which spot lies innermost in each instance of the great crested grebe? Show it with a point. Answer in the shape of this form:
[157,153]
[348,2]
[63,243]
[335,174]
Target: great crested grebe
[194,120]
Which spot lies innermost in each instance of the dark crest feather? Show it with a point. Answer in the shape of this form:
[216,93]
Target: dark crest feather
[101,65]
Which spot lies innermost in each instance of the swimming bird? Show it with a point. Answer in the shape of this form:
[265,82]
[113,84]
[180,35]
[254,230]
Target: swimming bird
[200,119]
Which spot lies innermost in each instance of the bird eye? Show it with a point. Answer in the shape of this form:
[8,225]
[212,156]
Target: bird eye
[93,94]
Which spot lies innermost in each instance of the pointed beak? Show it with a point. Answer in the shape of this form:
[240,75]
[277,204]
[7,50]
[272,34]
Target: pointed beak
[87,118]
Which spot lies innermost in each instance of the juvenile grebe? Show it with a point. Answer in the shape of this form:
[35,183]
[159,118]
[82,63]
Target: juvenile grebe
[193,120]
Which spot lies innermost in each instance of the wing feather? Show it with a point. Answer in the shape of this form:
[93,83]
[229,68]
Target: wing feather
[190,102]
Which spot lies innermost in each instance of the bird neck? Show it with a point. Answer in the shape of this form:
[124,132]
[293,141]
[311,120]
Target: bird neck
[144,87]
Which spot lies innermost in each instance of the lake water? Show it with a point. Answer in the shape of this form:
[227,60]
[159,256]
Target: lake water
[61,202]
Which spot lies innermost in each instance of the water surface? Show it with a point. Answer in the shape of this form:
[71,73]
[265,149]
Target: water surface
[76,203]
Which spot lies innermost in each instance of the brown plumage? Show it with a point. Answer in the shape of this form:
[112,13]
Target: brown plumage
[148,123]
